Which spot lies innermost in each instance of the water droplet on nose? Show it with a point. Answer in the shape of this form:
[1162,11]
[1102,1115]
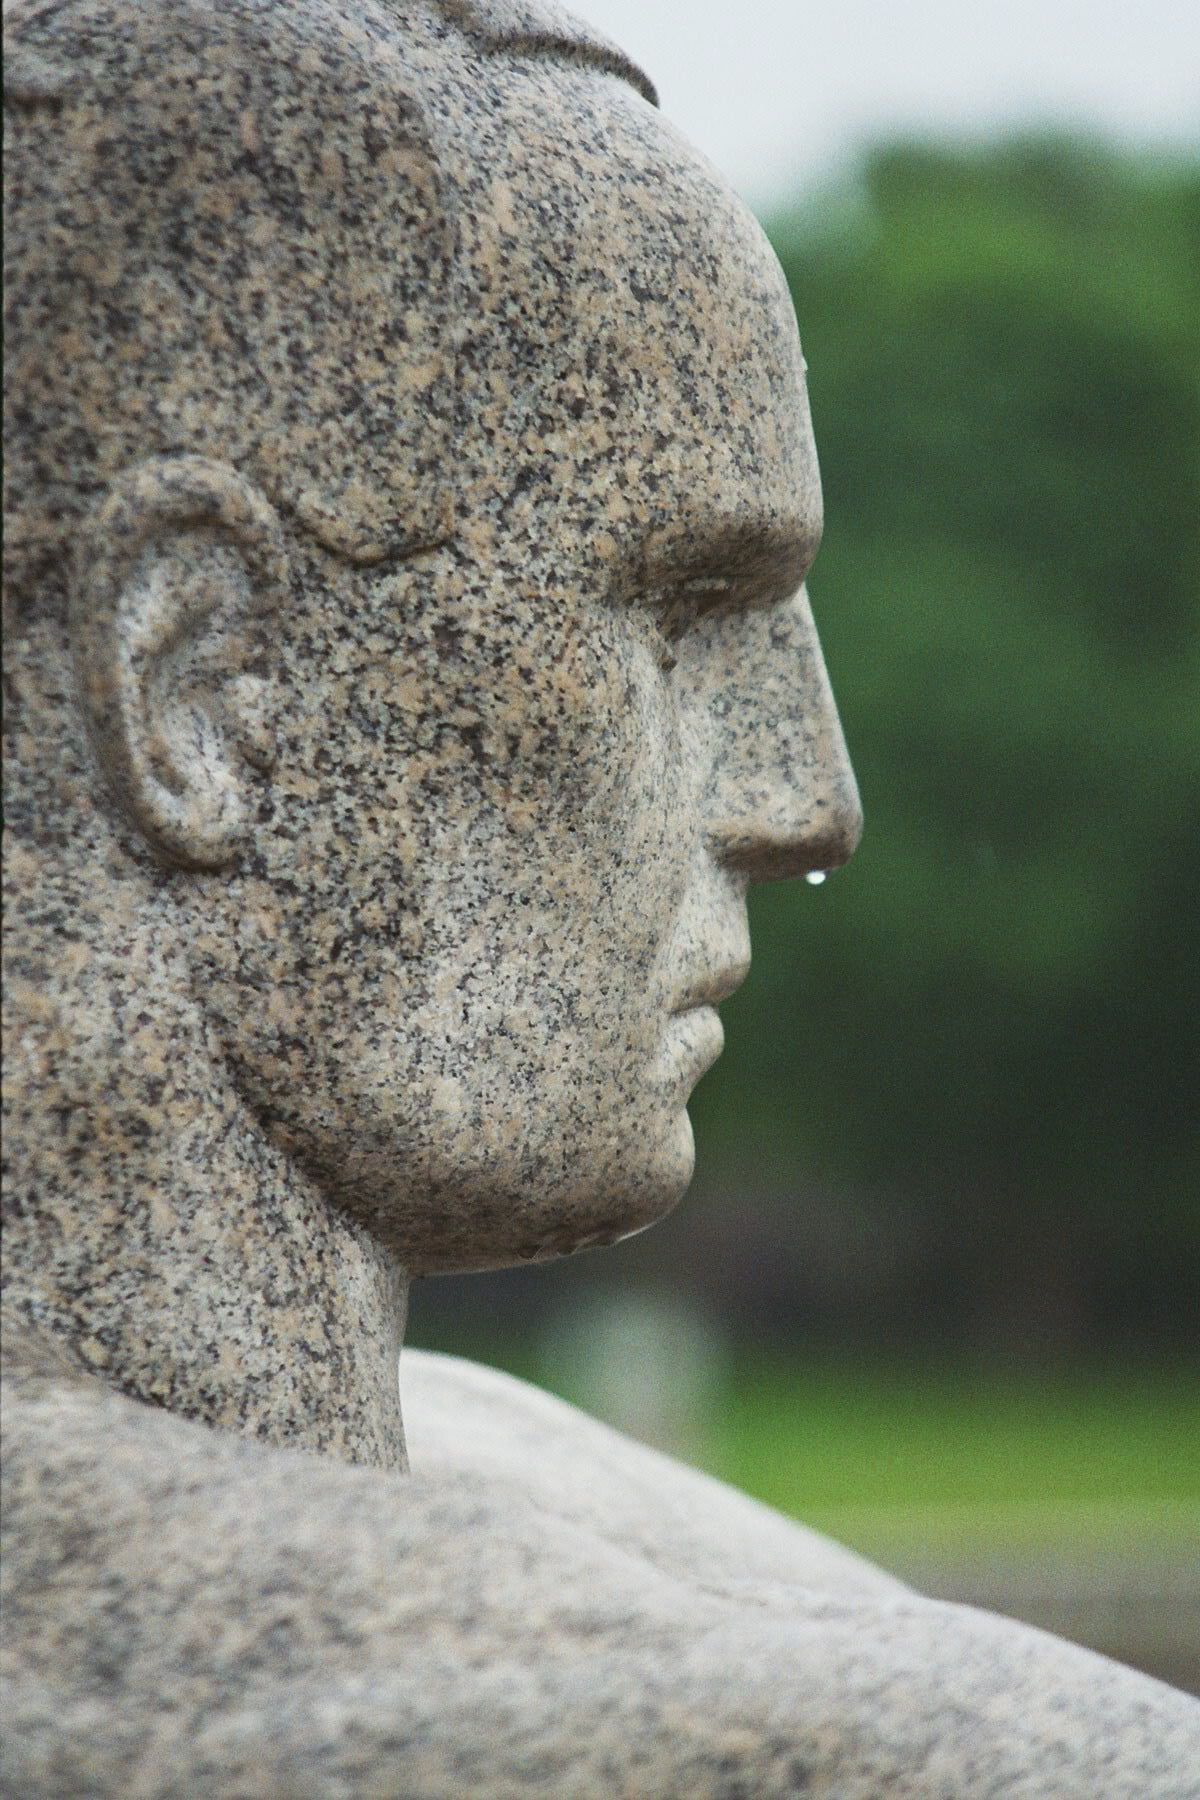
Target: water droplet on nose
[815,877]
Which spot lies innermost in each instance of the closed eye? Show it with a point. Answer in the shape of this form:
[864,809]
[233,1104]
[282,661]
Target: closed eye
[681,606]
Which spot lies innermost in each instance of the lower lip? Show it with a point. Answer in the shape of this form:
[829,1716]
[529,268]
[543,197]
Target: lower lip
[695,1039]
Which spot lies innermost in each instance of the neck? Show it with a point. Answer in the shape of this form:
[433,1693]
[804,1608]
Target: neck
[230,1295]
[156,1233]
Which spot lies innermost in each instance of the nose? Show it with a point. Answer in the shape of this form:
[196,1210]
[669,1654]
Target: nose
[782,799]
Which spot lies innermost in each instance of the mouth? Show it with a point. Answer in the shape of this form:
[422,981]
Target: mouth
[694,1040]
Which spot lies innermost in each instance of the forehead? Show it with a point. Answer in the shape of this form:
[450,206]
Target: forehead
[631,361]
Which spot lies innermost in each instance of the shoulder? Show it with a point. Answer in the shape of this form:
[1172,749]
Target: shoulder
[462,1416]
[186,1611]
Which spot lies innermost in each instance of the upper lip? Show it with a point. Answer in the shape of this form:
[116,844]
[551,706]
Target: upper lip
[711,989]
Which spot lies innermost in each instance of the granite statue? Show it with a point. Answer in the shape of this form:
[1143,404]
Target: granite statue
[410,493]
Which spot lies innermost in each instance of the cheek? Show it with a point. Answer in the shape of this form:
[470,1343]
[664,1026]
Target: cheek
[562,867]
[536,794]
[614,826]
[631,831]
[599,749]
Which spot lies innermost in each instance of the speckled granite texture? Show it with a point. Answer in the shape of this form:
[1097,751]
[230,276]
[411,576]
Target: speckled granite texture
[410,491]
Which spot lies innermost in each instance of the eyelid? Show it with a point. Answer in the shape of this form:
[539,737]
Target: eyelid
[680,604]
[677,607]
[706,584]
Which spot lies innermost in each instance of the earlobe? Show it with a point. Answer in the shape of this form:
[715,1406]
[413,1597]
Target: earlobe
[172,576]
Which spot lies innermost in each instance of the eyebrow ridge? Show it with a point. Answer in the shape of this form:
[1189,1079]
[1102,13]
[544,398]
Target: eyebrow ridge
[734,561]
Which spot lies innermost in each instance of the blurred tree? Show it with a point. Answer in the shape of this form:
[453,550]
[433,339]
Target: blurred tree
[994,1006]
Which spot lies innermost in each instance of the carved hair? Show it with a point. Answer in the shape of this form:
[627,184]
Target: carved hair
[230,233]
[220,236]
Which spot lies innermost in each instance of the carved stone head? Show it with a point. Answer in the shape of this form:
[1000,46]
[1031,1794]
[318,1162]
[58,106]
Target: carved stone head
[411,491]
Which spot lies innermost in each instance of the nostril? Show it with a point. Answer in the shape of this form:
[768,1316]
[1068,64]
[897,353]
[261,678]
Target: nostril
[838,839]
[784,841]
[850,820]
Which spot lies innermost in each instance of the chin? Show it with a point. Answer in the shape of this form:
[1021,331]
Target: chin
[641,1187]
[448,1195]
[492,1217]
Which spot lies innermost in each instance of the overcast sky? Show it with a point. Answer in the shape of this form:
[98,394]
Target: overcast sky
[779,92]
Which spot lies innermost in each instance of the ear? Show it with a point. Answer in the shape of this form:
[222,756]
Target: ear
[173,574]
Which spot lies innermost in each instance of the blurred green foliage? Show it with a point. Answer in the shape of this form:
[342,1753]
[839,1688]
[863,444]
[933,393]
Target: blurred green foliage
[993,1007]
[861,1450]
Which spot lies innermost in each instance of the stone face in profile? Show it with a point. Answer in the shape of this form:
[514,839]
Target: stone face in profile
[411,490]
[498,848]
